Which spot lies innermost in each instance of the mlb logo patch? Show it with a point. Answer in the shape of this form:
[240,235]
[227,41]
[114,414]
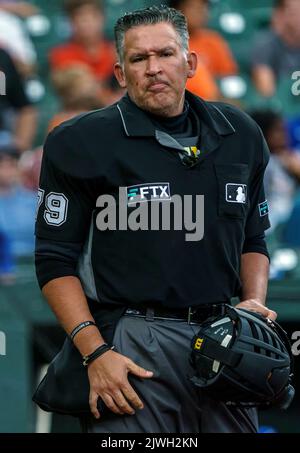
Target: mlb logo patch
[236,193]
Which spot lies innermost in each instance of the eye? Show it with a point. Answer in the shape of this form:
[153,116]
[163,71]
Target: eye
[167,54]
[137,59]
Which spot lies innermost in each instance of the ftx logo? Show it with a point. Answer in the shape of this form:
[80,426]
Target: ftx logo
[148,192]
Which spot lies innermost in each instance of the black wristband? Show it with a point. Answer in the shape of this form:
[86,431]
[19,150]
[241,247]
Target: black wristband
[80,327]
[87,359]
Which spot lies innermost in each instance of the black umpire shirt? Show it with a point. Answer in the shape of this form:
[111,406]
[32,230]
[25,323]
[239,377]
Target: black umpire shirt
[122,146]
[15,97]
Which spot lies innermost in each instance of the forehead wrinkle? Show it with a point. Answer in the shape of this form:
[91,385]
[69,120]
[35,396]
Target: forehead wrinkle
[153,49]
[168,38]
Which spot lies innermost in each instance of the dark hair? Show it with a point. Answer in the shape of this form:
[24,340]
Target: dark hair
[177,4]
[266,119]
[9,151]
[71,6]
[279,4]
[149,16]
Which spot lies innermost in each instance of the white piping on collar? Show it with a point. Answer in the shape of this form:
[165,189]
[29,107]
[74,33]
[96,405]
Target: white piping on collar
[123,121]
[226,119]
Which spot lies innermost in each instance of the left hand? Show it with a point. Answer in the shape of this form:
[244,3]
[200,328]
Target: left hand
[256,306]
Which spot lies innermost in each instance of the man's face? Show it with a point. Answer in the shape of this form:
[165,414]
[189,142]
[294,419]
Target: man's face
[87,23]
[291,13]
[8,171]
[277,137]
[155,68]
[196,13]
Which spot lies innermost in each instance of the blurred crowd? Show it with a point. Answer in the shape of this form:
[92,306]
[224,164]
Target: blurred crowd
[58,59]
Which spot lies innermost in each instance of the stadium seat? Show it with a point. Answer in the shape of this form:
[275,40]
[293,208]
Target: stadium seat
[252,4]
[238,30]
[291,232]
[240,90]
[239,26]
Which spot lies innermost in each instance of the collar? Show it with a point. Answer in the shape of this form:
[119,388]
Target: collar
[136,122]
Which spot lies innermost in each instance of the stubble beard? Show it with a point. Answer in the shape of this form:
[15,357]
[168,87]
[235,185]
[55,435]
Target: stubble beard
[164,108]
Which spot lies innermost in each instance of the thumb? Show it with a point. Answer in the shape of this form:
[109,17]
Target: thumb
[138,370]
[272,315]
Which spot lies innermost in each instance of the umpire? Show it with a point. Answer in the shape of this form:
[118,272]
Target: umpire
[153,284]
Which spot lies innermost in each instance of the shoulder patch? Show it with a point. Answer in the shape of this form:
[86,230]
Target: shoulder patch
[263,208]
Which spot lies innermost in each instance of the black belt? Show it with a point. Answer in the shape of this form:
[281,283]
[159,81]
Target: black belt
[197,313]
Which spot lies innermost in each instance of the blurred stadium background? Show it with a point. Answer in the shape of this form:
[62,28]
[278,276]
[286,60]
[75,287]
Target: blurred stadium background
[29,334]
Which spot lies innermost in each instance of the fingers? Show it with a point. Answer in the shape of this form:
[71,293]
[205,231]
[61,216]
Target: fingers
[272,315]
[93,399]
[138,370]
[116,393]
[267,313]
[132,397]
[127,399]
[117,402]
[260,309]
[109,402]
[122,403]
[257,307]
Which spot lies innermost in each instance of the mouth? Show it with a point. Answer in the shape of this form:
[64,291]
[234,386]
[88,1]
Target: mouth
[157,86]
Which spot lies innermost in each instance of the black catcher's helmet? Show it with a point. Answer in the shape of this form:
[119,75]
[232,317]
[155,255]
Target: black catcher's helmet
[243,359]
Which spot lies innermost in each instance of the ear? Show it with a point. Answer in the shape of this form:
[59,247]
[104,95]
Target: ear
[120,76]
[192,61]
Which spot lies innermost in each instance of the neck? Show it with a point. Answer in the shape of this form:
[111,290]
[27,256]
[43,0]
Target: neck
[291,37]
[4,190]
[169,118]
[171,112]
[89,43]
[172,124]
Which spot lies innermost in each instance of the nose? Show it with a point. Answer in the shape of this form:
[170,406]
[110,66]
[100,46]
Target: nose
[153,65]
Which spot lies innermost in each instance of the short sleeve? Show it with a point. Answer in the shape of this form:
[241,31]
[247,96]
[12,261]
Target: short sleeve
[258,215]
[15,91]
[65,202]
[263,50]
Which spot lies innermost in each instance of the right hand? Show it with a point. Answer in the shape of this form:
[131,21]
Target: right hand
[108,380]
[257,307]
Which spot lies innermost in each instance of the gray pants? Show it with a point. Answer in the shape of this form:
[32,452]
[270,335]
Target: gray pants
[172,404]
